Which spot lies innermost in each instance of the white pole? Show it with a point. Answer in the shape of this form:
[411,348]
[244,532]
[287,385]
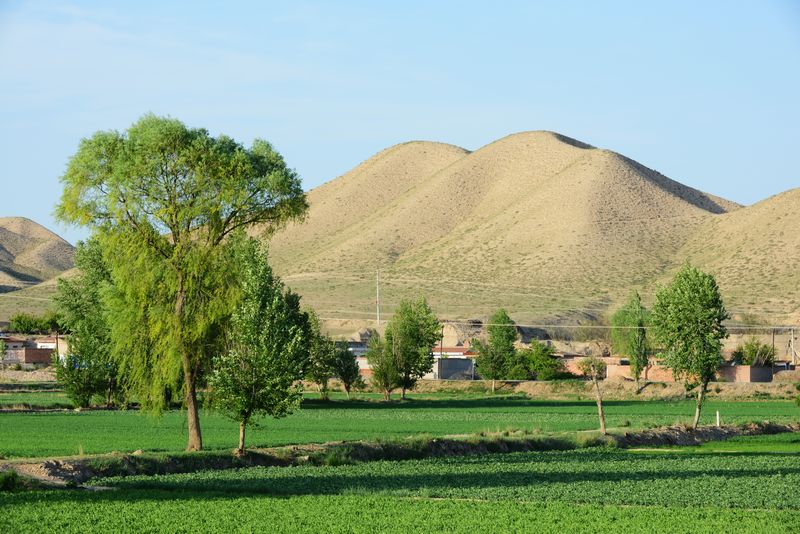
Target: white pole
[794,354]
[717,418]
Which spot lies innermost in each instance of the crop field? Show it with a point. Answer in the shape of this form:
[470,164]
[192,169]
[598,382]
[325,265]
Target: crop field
[36,399]
[685,490]
[69,433]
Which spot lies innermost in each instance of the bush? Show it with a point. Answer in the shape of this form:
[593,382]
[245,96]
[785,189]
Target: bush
[754,352]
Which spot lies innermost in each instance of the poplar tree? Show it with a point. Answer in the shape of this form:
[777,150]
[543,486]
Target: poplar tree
[629,335]
[410,337]
[687,321]
[163,199]
[495,357]
[267,347]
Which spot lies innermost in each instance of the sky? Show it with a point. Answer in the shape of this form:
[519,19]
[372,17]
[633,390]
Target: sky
[706,93]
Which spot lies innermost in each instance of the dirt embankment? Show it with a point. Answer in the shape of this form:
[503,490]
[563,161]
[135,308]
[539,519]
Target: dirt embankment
[77,471]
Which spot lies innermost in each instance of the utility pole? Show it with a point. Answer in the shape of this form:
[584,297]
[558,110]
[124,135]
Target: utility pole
[378,297]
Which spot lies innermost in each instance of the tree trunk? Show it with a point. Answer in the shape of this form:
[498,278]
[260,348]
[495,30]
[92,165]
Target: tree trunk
[386,394]
[403,393]
[195,442]
[599,399]
[193,415]
[493,386]
[347,391]
[242,427]
[701,394]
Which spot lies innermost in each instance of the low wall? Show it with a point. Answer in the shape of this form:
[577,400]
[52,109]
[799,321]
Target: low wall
[745,373]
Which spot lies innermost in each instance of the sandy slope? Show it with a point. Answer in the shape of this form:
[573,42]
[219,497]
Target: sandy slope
[30,253]
[536,222]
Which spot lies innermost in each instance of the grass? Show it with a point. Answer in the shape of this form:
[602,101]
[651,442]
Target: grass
[70,433]
[37,399]
[573,491]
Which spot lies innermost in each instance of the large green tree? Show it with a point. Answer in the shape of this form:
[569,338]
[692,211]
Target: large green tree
[410,337]
[495,356]
[268,347]
[345,368]
[163,199]
[629,335]
[322,356]
[687,321]
[385,375]
[88,368]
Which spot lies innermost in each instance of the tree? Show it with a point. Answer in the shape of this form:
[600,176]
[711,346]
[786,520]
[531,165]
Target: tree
[345,368]
[754,352]
[164,198]
[542,362]
[595,369]
[687,321]
[268,347]
[495,355]
[25,323]
[629,335]
[88,368]
[411,335]
[385,375]
[322,354]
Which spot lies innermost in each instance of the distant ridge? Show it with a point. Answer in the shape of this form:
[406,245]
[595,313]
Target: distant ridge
[537,222]
[30,253]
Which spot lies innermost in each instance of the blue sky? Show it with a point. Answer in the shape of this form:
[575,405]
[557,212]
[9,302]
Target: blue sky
[704,92]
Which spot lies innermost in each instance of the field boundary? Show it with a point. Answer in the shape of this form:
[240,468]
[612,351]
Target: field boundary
[74,472]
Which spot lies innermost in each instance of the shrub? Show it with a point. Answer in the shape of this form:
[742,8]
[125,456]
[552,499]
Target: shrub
[754,352]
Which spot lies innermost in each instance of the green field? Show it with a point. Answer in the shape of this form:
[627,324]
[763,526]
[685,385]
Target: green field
[572,491]
[70,433]
[34,399]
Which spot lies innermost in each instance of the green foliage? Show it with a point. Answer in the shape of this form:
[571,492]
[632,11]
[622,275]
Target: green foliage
[592,367]
[411,335]
[164,199]
[268,346]
[88,369]
[346,369]
[754,352]
[385,374]
[322,355]
[496,357]
[542,362]
[537,362]
[687,322]
[26,323]
[629,334]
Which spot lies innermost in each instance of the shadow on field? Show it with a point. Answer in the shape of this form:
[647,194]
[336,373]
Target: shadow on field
[352,480]
[456,404]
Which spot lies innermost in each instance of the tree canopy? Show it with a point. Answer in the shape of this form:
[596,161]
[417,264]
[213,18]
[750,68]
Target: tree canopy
[410,337]
[629,334]
[496,355]
[163,199]
[267,347]
[687,318]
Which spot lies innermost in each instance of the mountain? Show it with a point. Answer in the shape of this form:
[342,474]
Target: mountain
[29,255]
[536,222]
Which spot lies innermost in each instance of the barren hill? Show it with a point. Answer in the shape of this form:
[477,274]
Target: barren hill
[536,222]
[755,254]
[30,254]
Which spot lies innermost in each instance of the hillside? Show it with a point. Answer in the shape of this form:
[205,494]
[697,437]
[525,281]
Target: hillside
[29,255]
[755,254]
[544,225]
